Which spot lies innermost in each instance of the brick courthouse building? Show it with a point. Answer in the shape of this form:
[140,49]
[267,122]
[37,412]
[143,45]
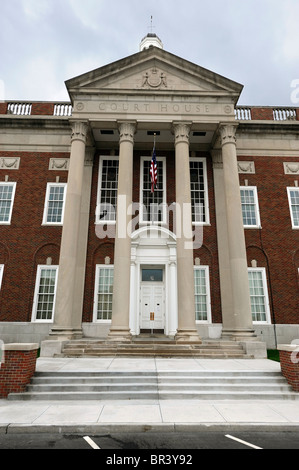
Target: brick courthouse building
[72,265]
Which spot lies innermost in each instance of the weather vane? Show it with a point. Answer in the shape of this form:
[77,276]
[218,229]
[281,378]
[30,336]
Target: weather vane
[151,26]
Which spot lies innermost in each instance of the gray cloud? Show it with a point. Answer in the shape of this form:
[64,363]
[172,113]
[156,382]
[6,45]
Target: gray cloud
[45,42]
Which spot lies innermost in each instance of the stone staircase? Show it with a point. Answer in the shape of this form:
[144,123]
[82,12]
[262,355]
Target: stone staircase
[143,346]
[157,385]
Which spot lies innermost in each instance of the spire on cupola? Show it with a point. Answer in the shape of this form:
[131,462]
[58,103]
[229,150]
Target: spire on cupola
[151,40]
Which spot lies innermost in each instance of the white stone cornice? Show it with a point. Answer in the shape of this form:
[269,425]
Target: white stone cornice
[127,131]
[227,133]
[79,131]
[181,131]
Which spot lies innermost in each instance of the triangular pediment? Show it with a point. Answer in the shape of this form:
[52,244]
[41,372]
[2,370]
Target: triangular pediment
[153,70]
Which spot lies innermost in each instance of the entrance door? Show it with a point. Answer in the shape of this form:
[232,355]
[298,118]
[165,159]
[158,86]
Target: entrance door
[152,300]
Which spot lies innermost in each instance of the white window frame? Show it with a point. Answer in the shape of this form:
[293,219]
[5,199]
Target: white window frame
[36,293]
[105,220]
[256,207]
[289,189]
[1,274]
[8,222]
[164,202]
[266,296]
[46,206]
[95,303]
[206,190]
[206,270]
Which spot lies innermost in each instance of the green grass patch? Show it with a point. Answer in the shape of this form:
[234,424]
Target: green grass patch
[273,355]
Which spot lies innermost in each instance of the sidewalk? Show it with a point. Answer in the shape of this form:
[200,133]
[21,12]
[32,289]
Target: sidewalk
[149,415]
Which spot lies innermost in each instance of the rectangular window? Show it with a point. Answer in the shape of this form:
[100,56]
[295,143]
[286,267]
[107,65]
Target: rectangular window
[202,294]
[199,191]
[250,207]
[7,194]
[259,295]
[54,204]
[45,293]
[1,273]
[103,293]
[107,190]
[293,195]
[153,204]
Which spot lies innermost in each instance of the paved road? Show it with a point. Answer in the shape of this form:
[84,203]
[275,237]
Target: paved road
[152,444]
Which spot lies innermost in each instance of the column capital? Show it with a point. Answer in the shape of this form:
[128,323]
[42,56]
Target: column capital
[181,130]
[127,131]
[79,131]
[227,133]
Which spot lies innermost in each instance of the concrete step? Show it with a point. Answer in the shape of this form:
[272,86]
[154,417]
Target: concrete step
[168,384]
[148,346]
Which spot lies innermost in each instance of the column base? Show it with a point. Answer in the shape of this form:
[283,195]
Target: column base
[65,333]
[187,336]
[239,334]
[120,335]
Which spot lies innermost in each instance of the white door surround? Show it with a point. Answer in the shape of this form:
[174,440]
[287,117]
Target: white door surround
[153,247]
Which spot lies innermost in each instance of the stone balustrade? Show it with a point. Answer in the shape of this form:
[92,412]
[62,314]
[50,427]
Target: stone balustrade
[64,109]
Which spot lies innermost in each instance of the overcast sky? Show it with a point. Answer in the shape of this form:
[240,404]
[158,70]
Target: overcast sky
[45,42]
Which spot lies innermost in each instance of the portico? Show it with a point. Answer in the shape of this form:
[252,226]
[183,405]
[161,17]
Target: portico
[118,108]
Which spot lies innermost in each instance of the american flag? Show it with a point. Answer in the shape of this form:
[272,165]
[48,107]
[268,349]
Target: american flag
[153,170]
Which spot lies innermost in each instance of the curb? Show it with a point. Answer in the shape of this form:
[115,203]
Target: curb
[145,428]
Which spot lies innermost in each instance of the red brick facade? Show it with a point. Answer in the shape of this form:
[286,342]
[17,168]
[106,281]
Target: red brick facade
[26,243]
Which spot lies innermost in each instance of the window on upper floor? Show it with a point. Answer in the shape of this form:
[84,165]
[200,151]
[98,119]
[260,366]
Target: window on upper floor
[259,295]
[45,293]
[7,194]
[107,190]
[202,294]
[54,204]
[250,207]
[293,195]
[199,191]
[103,293]
[153,204]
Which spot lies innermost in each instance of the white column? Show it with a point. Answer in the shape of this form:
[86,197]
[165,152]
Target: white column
[120,325]
[68,320]
[238,325]
[187,330]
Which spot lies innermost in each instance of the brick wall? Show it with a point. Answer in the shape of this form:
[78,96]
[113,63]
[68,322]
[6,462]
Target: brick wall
[42,109]
[18,368]
[275,246]
[262,114]
[289,362]
[3,108]
[25,243]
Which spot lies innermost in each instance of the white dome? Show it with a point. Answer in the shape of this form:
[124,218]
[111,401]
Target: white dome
[151,40]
